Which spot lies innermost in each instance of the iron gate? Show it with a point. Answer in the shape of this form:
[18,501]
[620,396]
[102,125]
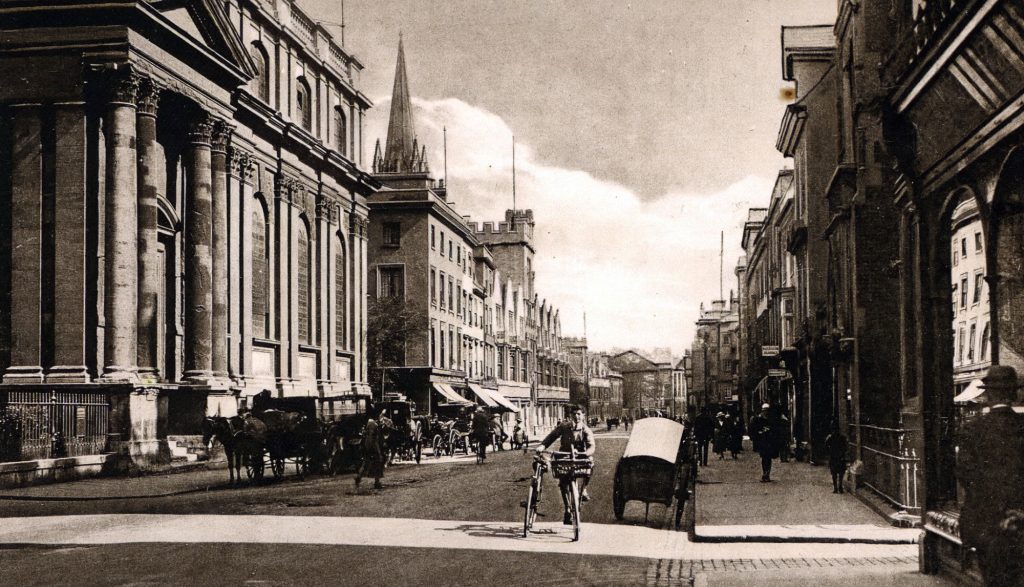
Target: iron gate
[53,424]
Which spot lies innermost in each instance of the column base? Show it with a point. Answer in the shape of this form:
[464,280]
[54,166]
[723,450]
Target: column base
[67,374]
[116,374]
[197,377]
[149,453]
[148,375]
[23,374]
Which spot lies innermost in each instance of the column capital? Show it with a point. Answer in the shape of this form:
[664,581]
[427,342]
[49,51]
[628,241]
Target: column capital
[200,129]
[241,163]
[324,209]
[220,137]
[147,98]
[123,87]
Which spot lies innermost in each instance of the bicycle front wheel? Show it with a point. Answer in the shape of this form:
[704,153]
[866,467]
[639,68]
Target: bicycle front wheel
[530,513]
[574,509]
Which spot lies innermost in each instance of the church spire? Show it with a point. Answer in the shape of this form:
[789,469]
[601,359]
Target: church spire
[399,151]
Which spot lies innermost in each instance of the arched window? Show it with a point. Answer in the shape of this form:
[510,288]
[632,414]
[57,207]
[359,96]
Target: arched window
[303,105]
[303,275]
[260,270]
[340,130]
[340,295]
[261,83]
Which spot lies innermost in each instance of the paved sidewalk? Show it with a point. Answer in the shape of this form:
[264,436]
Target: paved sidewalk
[797,506]
[547,537]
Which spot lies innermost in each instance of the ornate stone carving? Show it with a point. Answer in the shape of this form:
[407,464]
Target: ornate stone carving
[148,96]
[123,87]
[241,164]
[200,130]
[220,136]
[324,209]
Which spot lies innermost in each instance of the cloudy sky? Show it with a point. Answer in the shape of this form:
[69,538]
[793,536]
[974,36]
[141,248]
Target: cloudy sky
[643,129]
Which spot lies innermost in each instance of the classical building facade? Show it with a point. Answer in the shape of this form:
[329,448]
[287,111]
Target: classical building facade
[185,209]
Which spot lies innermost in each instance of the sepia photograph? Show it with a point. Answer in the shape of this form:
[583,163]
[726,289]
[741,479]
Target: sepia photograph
[681,293]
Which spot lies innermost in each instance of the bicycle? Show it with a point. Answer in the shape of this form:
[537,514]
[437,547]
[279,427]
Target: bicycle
[533,497]
[567,468]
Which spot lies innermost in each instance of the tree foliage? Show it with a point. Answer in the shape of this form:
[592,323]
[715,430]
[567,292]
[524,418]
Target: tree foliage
[391,323]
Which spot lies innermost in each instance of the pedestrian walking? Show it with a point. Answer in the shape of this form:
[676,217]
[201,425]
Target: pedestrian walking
[783,435]
[736,439]
[481,429]
[836,446]
[990,466]
[372,448]
[764,441]
[723,434]
[703,430]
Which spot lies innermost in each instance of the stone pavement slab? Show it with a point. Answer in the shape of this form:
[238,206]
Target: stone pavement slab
[798,505]
[824,573]
[596,539]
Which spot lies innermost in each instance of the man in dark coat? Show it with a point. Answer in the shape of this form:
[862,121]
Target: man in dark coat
[836,446]
[764,439]
[990,465]
[481,428]
[703,430]
[374,455]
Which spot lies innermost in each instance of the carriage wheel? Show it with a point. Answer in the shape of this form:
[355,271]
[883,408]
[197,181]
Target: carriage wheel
[419,450]
[437,445]
[254,466]
[680,504]
[277,467]
[618,500]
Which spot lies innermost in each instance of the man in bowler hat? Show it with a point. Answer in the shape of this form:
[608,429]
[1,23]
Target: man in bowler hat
[990,465]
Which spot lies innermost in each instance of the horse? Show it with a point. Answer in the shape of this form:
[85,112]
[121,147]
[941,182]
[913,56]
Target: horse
[229,432]
[343,438]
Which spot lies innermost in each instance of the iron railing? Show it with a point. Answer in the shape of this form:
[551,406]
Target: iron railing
[53,424]
[892,467]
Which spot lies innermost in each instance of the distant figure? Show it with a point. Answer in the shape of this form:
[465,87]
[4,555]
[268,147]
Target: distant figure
[783,435]
[723,432]
[372,447]
[481,428]
[703,430]
[736,440]
[764,442]
[836,446]
[991,468]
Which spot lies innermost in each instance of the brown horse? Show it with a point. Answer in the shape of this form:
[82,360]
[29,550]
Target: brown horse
[229,432]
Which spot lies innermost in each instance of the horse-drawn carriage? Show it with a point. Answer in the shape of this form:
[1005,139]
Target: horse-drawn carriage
[656,467]
[404,437]
[448,430]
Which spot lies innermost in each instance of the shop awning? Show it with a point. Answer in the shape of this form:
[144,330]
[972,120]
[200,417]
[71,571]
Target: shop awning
[501,401]
[970,393]
[484,395]
[449,394]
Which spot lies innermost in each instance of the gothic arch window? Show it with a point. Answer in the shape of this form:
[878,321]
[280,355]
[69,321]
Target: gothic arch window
[303,277]
[340,130]
[340,294]
[261,246]
[261,83]
[303,103]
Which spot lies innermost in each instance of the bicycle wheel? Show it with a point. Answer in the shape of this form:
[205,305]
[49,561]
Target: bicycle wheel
[530,511]
[438,445]
[574,509]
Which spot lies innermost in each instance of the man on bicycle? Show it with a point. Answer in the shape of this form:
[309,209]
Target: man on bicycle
[572,433]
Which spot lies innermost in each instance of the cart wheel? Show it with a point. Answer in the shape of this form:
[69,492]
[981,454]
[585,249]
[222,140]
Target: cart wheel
[419,451]
[277,467]
[437,446]
[680,504]
[618,500]
[254,465]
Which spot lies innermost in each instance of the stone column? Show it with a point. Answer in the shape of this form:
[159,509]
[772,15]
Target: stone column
[245,172]
[26,244]
[219,194]
[151,177]
[236,236]
[122,247]
[361,292]
[69,320]
[198,242]
[324,286]
[284,285]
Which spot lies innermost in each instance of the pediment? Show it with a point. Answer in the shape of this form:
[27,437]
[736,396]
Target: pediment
[206,23]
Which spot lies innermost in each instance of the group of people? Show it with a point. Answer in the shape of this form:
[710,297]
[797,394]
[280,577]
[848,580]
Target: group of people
[724,429]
